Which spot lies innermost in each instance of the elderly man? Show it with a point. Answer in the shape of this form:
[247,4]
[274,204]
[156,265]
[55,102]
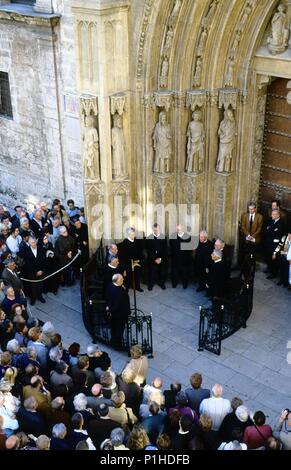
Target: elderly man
[274,231]
[202,260]
[10,276]
[64,250]
[37,224]
[118,304]
[156,246]
[216,407]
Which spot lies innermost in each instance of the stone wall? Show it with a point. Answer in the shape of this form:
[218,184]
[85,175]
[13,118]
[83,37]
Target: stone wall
[39,147]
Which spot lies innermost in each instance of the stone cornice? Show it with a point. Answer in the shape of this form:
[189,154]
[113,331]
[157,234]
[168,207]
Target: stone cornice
[25,14]
[102,7]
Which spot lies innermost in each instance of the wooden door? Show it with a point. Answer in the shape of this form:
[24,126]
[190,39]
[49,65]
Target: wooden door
[275,180]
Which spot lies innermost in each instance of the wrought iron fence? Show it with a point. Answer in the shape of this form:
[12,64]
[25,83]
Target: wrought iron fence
[226,316]
[95,318]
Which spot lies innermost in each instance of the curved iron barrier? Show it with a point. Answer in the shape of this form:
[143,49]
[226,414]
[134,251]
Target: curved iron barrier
[95,319]
[226,316]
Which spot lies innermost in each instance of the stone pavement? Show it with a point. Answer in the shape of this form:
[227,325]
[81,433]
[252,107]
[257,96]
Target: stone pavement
[253,362]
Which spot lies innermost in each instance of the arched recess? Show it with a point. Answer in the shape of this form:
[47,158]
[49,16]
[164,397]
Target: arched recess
[221,198]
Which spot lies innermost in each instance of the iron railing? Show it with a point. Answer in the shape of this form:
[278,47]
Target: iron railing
[226,316]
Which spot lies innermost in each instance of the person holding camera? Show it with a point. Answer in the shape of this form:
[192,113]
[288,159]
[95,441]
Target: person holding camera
[282,430]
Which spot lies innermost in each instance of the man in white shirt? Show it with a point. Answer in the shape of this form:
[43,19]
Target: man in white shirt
[216,407]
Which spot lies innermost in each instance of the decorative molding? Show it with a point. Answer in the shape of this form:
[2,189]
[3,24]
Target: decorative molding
[148,101]
[263,81]
[228,98]
[167,43]
[255,169]
[234,45]
[202,41]
[37,19]
[164,99]
[118,103]
[180,99]
[89,105]
[121,188]
[145,23]
[197,98]
[276,187]
[279,97]
[212,97]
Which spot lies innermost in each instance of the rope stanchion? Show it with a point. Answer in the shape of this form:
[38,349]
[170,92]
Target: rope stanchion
[52,274]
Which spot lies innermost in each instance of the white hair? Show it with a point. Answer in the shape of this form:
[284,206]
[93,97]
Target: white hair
[203,232]
[59,431]
[13,346]
[48,329]
[55,354]
[62,229]
[217,390]
[80,402]
[91,349]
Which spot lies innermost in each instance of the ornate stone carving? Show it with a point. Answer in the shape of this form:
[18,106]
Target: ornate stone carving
[148,101]
[168,42]
[175,13]
[212,97]
[89,105]
[229,73]
[243,94]
[180,99]
[162,139]
[117,103]
[226,134]
[91,150]
[227,98]
[263,81]
[119,167]
[144,28]
[196,99]
[202,42]
[195,144]
[259,136]
[164,73]
[278,41]
[207,20]
[163,99]
[197,74]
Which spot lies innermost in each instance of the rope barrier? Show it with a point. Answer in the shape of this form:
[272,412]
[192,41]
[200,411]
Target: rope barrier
[52,274]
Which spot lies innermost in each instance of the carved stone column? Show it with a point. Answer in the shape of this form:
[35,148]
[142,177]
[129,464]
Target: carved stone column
[101,38]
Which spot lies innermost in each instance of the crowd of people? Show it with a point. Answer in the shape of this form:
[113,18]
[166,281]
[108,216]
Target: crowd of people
[52,397]
[34,246]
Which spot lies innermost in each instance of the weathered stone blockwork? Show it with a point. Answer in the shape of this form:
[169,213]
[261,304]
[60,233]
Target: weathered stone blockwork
[39,147]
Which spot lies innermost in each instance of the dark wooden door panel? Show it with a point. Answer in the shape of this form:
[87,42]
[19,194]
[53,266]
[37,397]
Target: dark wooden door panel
[276,164]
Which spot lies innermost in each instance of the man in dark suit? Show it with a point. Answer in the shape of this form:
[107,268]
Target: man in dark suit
[112,267]
[10,276]
[225,253]
[274,231]
[180,257]
[37,224]
[216,283]
[202,260]
[117,301]
[34,269]
[156,247]
[131,255]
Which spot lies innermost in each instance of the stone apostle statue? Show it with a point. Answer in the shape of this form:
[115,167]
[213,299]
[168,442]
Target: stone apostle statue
[195,145]
[162,145]
[91,150]
[278,41]
[226,133]
[119,167]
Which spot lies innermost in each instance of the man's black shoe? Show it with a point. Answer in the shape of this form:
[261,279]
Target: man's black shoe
[150,287]
[185,286]
[139,290]
[32,301]
[42,300]
[162,286]
[279,283]
[272,276]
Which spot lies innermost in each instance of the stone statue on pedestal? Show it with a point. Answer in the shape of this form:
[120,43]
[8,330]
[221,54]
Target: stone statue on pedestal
[226,133]
[91,150]
[119,167]
[195,145]
[162,145]
[278,41]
